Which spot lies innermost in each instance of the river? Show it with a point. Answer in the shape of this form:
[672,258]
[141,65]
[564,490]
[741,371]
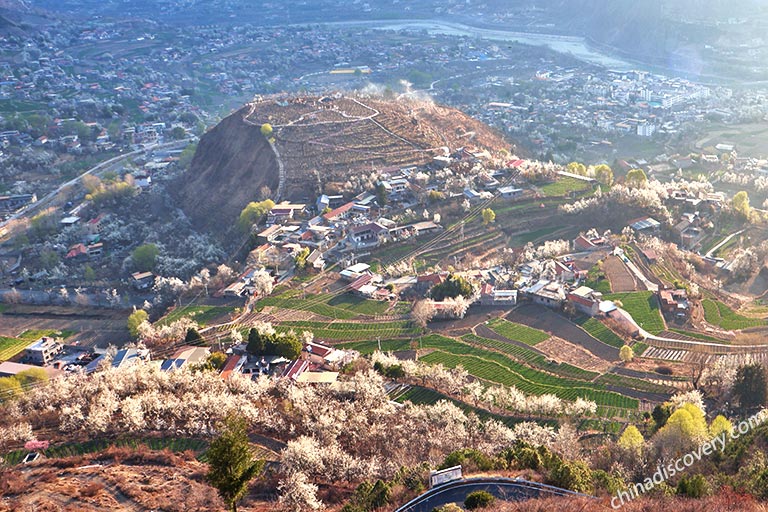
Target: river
[570,45]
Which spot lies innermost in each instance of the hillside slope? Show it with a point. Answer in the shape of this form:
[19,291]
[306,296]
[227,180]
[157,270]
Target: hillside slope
[232,162]
[323,143]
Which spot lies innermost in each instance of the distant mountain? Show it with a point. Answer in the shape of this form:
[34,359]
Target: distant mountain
[323,142]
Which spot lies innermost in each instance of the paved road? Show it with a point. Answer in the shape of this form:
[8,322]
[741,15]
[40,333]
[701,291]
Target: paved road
[503,488]
[722,243]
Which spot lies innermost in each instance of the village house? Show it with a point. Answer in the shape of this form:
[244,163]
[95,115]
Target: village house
[368,235]
[585,300]
[142,280]
[584,243]
[645,225]
[509,192]
[354,272]
[315,260]
[42,351]
[490,296]
[547,293]
[327,358]
[93,226]
[77,253]
[675,302]
[185,356]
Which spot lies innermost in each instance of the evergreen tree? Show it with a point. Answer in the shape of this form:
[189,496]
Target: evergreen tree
[232,466]
[750,386]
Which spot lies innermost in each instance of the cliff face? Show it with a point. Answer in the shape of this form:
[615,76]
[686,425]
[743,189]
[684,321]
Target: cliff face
[232,163]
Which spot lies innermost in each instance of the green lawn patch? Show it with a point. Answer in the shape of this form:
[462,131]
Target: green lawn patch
[643,307]
[639,348]
[517,332]
[719,314]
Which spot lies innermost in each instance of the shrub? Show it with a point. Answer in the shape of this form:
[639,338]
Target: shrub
[478,499]
[695,486]
[608,482]
[573,475]
[462,457]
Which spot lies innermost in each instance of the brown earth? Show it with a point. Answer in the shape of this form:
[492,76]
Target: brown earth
[564,351]
[232,162]
[620,277]
[322,142]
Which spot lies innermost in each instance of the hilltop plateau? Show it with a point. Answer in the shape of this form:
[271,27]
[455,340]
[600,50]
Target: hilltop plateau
[322,143]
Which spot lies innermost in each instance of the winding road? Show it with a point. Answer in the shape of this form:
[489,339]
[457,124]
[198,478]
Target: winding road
[101,167]
[507,489]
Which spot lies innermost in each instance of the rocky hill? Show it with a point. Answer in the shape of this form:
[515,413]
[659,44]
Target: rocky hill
[331,144]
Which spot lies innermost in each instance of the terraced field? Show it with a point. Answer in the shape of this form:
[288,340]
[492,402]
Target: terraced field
[352,331]
[342,307]
[531,358]
[719,314]
[680,334]
[528,380]
[498,368]
[563,186]
[419,395]
[199,313]
[371,346]
[518,332]
[600,331]
[612,379]
[643,307]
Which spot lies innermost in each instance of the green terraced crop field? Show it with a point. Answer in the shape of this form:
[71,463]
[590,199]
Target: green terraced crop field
[517,332]
[612,379]
[532,358]
[700,336]
[199,313]
[643,307]
[342,307]
[420,395]
[719,314]
[563,186]
[344,331]
[528,380]
[598,330]
[371,346]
